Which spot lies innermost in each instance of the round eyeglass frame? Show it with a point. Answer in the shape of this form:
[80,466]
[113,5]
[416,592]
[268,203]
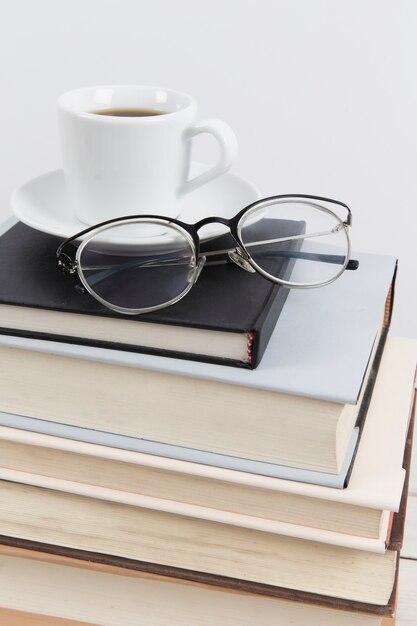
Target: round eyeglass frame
[190,232]
[195,267]
[271,201]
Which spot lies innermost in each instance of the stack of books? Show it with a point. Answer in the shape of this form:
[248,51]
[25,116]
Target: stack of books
[229,460]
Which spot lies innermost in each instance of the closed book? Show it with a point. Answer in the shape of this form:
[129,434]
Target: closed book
[299,408]
[227,317]
[36,587]
[357,516]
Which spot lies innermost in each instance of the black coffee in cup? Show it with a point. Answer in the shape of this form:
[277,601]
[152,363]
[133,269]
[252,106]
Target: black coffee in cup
[129,112]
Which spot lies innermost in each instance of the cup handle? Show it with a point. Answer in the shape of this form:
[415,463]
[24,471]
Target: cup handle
[228,151]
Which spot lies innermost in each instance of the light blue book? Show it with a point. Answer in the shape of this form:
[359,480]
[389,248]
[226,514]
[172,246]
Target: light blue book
[184,454]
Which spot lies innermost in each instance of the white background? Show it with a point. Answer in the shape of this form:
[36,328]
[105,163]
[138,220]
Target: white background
[322,95]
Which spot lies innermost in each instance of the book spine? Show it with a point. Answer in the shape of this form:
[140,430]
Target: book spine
[398,524]
[389,304]
[249,348]
[109,345]
[265,324]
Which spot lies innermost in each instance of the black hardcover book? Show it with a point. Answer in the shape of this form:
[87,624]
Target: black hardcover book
[227,317]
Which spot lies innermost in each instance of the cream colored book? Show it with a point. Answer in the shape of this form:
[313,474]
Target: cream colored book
[205,513]
[40,590]
[356,517]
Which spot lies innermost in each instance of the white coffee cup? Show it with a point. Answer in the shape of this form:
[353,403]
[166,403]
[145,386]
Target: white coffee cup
[116,165]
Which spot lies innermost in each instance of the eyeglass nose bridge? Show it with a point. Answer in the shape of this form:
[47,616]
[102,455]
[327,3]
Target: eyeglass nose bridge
[212,220]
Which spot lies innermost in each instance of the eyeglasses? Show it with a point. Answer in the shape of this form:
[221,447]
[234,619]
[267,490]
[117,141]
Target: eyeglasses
[142,263]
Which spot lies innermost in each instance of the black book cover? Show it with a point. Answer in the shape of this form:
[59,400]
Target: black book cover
[225,297]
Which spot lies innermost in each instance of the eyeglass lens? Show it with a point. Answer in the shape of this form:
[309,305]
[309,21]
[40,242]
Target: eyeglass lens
[137,265]
[295,241]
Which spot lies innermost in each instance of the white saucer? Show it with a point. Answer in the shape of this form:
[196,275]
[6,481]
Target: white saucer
[41,203]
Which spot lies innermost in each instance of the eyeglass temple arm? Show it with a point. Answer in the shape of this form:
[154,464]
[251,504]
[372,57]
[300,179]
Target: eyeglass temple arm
[307,256]
[337,259]
[324,258]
